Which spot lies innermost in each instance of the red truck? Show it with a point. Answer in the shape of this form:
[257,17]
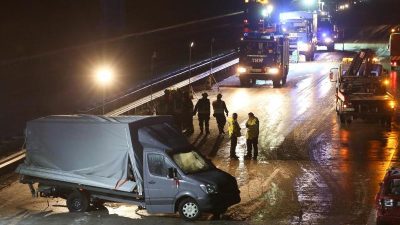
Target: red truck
[388,199]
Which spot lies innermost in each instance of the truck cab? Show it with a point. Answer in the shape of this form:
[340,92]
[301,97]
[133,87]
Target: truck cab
[300,28]
[263,56]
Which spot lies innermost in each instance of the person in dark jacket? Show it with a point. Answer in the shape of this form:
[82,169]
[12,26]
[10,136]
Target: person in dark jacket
[187,114]
[203,109]
[220,109]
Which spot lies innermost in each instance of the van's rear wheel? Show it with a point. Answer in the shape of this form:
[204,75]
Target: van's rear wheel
[78,201]
[189,209]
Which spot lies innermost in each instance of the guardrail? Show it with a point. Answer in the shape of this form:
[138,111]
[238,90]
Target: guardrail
[164,82]
[158,94]
[12,159]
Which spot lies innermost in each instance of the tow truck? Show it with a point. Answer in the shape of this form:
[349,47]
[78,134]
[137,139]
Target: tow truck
[361,90]
[387,200]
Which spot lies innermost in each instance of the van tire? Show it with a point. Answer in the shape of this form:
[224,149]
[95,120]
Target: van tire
[78,201]
[189,209]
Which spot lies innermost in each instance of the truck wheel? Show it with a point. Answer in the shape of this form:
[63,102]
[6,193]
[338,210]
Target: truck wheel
[331,48]
[244,82]
[284,78]
[189,209]
[78,201]
[276,83]
[342,119]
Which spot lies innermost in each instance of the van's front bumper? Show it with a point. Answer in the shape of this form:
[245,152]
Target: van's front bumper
[218,202]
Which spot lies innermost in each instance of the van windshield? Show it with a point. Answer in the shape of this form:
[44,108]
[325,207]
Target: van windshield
[191,162]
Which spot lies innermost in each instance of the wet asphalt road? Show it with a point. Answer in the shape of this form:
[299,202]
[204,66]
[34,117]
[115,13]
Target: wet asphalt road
[310,169]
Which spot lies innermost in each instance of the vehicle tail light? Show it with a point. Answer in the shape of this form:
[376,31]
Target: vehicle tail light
[393,63]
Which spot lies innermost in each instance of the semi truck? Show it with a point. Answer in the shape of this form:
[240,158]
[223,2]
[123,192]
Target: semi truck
[326,31]
[361,90]
[307,30]
[394,49]
[141,160]
[263,56]
[300,26]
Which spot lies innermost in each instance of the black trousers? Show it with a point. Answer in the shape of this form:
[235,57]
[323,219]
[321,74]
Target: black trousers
[204,121]
[221,121]
[252,144]
[233,145]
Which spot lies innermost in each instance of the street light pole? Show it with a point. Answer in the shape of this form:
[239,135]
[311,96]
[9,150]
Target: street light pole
[104,98]
[190,60]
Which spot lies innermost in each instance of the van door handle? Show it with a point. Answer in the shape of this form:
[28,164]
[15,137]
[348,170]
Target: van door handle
[152,182]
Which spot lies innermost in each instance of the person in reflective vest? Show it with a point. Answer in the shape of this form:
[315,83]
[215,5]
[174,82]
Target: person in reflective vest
[220,109]
[253,130]
[234,133]
[203,109]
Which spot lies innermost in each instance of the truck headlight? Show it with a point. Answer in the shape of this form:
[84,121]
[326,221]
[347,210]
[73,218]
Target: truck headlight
[392,104]
[241,69]
[209,188]
[303,47]
[273,70]
[386,82]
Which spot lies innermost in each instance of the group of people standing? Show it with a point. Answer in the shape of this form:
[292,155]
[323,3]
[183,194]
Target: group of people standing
[202,108]
[179,104]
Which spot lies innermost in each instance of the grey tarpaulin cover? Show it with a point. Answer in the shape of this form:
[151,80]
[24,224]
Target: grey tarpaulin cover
[94,150]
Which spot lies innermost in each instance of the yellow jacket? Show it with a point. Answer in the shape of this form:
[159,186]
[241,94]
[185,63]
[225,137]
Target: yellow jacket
[252,128]
[233,128]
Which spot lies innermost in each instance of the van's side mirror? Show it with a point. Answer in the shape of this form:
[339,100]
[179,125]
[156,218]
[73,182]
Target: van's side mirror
[332,75]
[172,173]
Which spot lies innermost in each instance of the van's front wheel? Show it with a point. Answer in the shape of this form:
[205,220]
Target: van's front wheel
[189,209]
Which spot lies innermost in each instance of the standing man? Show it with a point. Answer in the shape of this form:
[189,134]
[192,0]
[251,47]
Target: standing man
[187,113]
[203,109]
[165,105]
[234,133]
[219,107]
[253,129]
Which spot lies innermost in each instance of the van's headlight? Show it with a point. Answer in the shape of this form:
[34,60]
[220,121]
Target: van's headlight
[209,188]
[241,69]
[273,70]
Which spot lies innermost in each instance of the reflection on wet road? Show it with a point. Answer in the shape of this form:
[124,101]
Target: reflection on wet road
[310,170]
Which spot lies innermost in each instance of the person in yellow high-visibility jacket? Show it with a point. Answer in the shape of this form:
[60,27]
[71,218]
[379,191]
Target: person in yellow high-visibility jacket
[253,129]
[234,133]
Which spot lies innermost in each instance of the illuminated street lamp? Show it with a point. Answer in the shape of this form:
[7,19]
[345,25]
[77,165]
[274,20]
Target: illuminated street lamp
[309,3]
[104,76]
